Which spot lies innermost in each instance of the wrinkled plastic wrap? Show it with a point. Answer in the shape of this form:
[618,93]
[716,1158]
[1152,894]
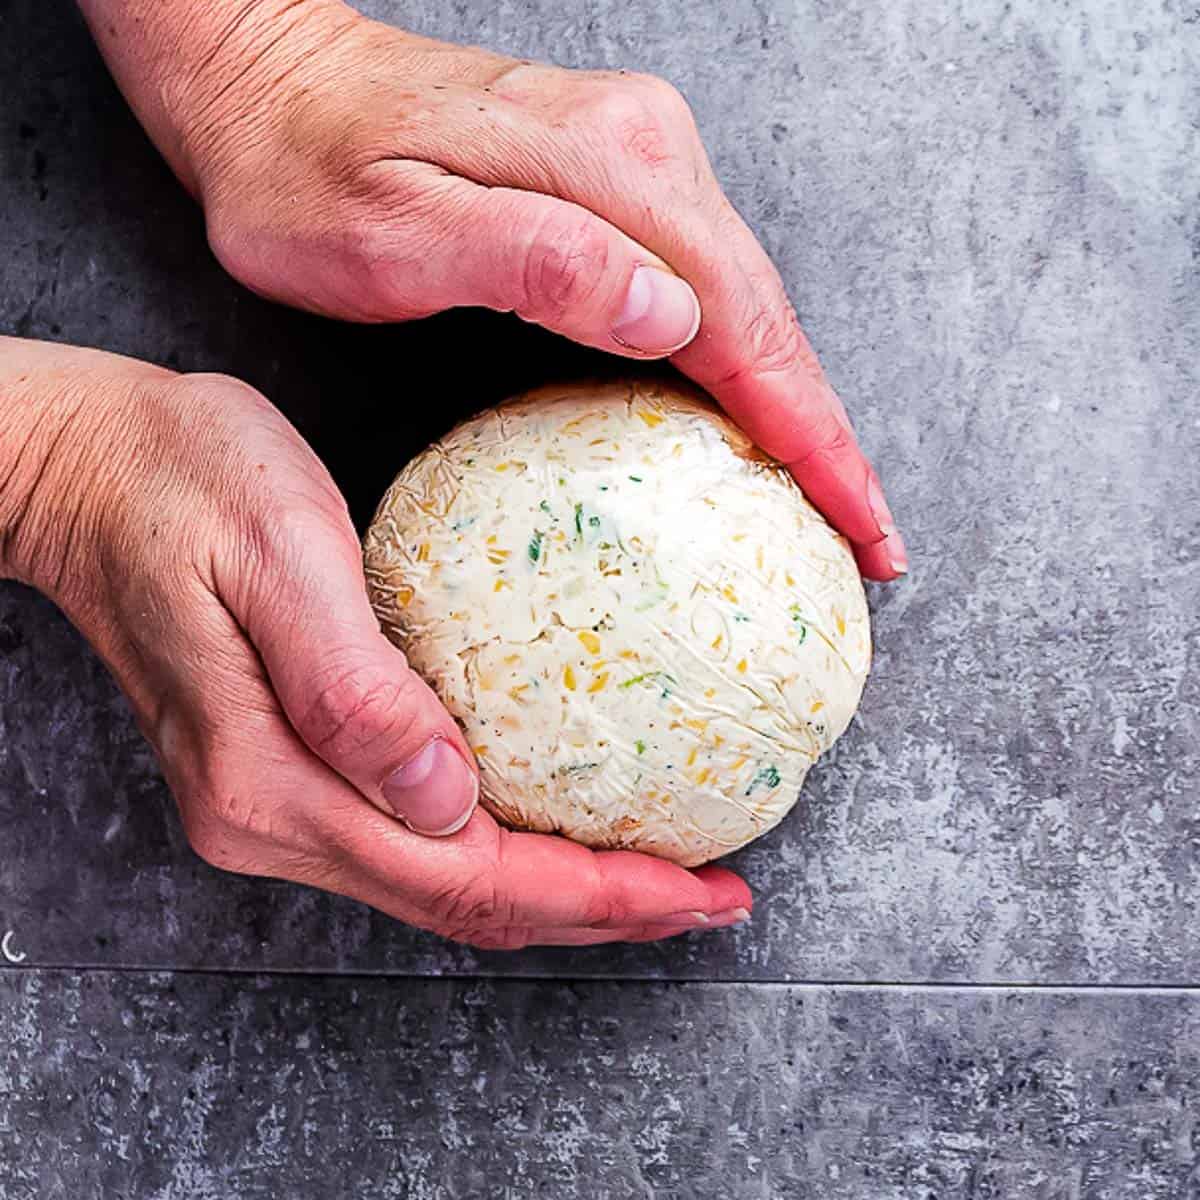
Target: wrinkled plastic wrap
[647,632]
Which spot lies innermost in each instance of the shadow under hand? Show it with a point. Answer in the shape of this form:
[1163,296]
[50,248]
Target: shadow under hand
[368,398]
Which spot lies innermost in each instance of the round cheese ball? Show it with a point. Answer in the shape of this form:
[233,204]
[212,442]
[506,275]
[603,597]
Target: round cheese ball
[647,632]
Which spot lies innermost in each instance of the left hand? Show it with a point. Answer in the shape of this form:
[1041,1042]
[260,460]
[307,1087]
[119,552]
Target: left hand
[205,553]
[351,168]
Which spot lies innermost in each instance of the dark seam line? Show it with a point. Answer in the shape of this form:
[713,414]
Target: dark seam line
[410,977]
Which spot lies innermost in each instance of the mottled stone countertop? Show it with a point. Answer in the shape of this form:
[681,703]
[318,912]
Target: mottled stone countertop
[972,969]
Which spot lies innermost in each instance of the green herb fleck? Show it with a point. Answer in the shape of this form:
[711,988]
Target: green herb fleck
[594,522]
[767,777]
[604,487]
[535,546]
[545,506]
[641,746]
[740,616]
[579,520]
[636,478]
[800,623]
[657,677]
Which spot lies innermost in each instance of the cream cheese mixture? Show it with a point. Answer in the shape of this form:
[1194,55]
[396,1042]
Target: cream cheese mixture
[647,632]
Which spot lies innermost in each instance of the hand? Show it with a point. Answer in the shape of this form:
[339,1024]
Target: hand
[356,170]
[202,548]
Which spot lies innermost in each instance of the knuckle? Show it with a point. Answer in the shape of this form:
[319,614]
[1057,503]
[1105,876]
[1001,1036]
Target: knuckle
[824,435]
[665,96]
[635,126]
[774,345]
[469,908]
[644,116]
[611,102]
[600,905]
[513,937]
[355,708]
[603,910]
[774,341]
[564,266]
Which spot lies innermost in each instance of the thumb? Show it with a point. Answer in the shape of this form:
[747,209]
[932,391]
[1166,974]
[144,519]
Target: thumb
[555,264]
[347,691]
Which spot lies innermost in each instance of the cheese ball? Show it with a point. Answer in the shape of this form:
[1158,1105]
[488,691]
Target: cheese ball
[647,632]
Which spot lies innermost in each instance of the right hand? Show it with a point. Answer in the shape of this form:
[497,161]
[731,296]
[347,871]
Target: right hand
[205,552]
[354,169]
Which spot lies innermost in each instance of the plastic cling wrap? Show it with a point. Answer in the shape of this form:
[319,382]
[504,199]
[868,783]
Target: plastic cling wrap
[647,632]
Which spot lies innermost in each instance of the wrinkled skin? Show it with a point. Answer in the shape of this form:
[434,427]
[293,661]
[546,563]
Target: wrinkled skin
[206,554]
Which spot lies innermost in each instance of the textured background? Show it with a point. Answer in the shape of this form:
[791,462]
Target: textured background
[989,218]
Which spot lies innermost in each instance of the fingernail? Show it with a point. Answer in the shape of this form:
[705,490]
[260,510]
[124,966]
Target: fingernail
[731,916]
[660,315]
[897,554]
[435,792]
[879,507]
[692,919]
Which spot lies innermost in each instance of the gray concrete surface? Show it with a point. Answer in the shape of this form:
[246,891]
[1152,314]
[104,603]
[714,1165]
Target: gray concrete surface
[989,217]
[175,1086]
[990,224]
